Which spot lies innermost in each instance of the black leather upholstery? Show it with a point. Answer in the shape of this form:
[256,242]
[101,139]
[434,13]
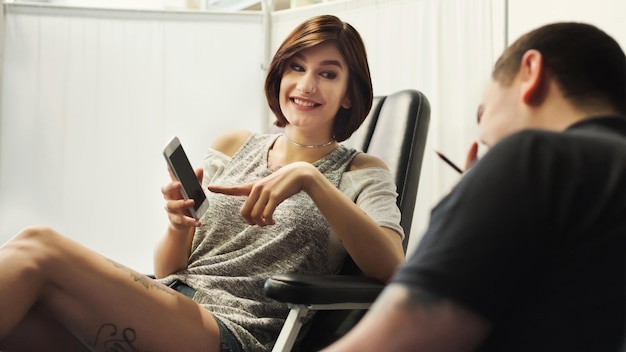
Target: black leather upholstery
[394,131]
[399,139]
[303,289]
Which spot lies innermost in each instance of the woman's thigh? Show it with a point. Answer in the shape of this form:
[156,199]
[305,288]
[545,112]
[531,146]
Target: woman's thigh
[50,335]
[108,306]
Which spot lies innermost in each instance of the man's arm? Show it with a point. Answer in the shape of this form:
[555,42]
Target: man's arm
[411,319]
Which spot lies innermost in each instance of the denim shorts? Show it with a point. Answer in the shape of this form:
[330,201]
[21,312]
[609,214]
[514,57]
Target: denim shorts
[228,341]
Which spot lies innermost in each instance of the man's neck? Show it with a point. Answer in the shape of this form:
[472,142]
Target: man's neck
[557,113]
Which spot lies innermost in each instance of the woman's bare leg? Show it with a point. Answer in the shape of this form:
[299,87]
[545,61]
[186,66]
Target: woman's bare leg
[39,332]
[105,305]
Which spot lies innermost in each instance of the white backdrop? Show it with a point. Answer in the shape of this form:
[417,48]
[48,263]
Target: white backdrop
[607,14]
[89,98]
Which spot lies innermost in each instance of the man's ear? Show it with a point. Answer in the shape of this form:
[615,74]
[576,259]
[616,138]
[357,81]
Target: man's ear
[532,77]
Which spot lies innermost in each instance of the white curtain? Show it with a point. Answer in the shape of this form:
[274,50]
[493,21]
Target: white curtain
[444,48]
[89,99]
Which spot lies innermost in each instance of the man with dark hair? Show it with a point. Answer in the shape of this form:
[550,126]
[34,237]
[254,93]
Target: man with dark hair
[527,253]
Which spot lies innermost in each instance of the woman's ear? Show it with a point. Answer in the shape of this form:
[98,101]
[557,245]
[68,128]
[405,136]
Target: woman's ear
[347,103]
[532,77]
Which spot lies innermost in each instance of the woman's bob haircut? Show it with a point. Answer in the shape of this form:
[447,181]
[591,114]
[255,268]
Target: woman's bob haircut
[315,31]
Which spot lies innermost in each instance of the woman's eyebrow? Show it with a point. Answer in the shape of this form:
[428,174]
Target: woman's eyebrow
[323,63]
[333,63]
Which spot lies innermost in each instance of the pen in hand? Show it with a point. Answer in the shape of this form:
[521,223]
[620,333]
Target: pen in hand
[447,161]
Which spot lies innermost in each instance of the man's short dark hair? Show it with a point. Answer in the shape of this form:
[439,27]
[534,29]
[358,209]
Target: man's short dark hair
[588,65]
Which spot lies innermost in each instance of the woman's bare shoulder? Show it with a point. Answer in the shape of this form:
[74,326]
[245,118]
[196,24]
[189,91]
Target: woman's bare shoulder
[364,161]
[230,142]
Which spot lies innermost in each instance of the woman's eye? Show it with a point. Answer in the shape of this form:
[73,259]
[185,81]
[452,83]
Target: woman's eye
[329,75]
[294,66]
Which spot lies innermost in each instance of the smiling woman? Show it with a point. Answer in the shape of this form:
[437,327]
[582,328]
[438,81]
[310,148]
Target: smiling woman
[348,59]
[313,88]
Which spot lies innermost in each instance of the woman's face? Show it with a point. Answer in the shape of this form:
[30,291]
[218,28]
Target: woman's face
[314,86]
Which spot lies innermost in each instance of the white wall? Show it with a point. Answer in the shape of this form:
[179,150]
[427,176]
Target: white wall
[608,15]
[90,97]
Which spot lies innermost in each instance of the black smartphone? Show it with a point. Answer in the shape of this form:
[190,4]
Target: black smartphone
[183,171]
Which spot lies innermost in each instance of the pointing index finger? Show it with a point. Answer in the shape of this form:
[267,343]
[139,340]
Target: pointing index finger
[239,190]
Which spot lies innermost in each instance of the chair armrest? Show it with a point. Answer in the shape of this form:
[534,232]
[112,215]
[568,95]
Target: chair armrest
[304,289]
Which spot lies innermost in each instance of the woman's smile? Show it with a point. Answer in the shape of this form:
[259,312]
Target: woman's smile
[304,102]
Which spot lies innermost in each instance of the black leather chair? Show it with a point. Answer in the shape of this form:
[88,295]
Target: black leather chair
[394,131]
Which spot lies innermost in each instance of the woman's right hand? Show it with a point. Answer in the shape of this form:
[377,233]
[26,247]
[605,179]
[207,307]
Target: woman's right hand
[177,207]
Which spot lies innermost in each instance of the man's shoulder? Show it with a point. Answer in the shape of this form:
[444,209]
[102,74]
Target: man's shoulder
[534,157]
[578,142]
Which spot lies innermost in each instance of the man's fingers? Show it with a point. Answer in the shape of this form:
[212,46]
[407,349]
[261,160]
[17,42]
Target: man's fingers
[472,155]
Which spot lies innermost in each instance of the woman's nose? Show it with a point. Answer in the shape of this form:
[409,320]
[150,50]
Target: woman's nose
[306,84]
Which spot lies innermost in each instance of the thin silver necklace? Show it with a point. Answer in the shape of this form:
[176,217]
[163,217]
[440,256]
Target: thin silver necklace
[309,145]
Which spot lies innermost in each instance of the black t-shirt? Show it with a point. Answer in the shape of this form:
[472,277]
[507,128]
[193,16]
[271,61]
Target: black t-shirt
[533,239]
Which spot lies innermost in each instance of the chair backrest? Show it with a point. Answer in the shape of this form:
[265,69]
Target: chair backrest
[395,131]
[399,139]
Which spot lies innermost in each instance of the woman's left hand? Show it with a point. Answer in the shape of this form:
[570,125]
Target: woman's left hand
[266,194]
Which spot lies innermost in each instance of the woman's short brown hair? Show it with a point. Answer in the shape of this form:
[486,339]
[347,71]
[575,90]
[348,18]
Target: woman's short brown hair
[315,31]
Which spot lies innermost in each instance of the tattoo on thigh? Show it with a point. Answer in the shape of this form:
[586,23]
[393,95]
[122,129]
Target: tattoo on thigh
[143,280]
[112,339]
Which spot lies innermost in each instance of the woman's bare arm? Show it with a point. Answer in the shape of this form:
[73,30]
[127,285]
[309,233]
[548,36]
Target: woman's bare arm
[377,250]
